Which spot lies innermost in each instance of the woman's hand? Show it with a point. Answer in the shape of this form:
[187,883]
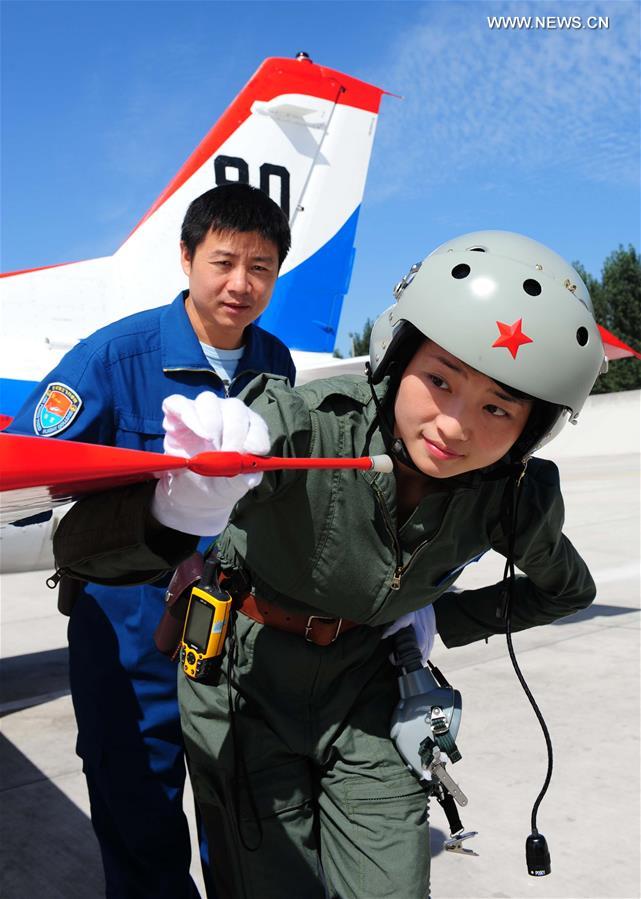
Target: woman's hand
[192,503]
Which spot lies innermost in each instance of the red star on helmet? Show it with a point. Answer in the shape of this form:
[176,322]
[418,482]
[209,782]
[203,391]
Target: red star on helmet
[512,337]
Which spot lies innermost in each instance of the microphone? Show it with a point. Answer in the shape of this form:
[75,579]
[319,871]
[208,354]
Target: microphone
[537,855]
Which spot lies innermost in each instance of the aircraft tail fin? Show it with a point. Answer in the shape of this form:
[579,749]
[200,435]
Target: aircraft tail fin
[303,133]
[334,127]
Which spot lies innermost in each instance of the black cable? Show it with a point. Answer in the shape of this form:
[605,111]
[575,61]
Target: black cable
[546,733]
[509,574]
[406,652]
[393,445]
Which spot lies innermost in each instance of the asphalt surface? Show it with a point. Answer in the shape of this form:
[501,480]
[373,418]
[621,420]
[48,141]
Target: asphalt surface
[584,672]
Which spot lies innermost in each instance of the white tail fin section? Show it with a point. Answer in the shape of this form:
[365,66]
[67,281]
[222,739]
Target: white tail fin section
[299,131]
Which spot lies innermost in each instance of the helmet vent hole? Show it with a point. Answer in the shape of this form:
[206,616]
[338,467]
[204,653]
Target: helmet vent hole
[477,250]
[582,336]
[532,287]
[460,271]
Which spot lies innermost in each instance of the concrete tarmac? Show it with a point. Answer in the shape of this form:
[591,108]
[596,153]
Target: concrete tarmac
[584,672]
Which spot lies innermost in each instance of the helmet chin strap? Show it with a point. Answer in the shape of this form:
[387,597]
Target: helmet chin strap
[393,444]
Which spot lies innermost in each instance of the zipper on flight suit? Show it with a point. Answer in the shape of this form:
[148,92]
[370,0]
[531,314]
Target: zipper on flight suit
[401,569]
[391,530]
[53,581]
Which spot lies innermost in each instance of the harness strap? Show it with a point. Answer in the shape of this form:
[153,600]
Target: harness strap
[446,801]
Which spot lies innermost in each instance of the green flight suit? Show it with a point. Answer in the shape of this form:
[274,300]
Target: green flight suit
[340,814]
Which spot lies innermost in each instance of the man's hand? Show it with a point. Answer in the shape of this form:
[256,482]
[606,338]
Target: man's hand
[189,502]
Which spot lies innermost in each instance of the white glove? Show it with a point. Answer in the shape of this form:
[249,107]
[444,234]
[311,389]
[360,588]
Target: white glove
[192,503]
[424,623]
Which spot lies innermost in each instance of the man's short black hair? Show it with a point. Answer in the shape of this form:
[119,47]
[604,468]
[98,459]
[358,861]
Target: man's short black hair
[235,207]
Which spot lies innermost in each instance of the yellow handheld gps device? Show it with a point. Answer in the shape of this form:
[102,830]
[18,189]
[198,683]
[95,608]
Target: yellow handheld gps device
[206,623]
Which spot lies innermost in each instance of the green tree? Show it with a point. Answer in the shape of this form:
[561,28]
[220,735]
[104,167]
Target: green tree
[617,306]
[360,341]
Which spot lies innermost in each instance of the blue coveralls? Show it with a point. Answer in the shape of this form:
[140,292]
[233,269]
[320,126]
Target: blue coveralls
[123,689]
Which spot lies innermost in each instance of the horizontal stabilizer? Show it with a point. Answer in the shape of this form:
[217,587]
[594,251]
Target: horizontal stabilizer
[615,348]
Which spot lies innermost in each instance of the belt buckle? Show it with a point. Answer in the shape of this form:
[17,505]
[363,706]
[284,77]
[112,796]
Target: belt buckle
[308,628]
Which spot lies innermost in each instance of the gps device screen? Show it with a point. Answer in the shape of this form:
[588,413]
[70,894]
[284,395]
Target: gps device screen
[198,628]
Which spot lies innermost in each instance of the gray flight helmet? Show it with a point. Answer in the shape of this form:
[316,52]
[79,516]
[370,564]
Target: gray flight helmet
[507,306]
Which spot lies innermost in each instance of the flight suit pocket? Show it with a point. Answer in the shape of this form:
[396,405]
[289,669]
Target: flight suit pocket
[378,804]
[389,822]
[246,632]
[399,786]
[278,790]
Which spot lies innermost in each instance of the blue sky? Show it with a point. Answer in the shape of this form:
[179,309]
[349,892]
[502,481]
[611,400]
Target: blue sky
[534,131]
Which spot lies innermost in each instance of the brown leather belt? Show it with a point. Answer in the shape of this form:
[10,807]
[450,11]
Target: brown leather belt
[315,628]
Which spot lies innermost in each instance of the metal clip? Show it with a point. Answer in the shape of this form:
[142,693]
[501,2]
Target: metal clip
[438,721]
[406,280]
[437,769]
[454,844]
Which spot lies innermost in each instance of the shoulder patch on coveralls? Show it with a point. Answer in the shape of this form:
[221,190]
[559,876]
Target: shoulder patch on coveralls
[56,409]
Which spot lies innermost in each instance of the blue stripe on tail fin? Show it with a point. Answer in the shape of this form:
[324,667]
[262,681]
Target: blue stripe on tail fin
[307,301]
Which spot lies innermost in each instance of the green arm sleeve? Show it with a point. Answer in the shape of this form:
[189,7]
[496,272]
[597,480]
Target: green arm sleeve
[290,429]
[557,581]
[111,538]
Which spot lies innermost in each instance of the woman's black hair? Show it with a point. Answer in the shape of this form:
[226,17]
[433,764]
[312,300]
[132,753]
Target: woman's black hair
[542,418]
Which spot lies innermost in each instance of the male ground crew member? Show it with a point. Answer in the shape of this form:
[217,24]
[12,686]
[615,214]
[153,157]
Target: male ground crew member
[233,242]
